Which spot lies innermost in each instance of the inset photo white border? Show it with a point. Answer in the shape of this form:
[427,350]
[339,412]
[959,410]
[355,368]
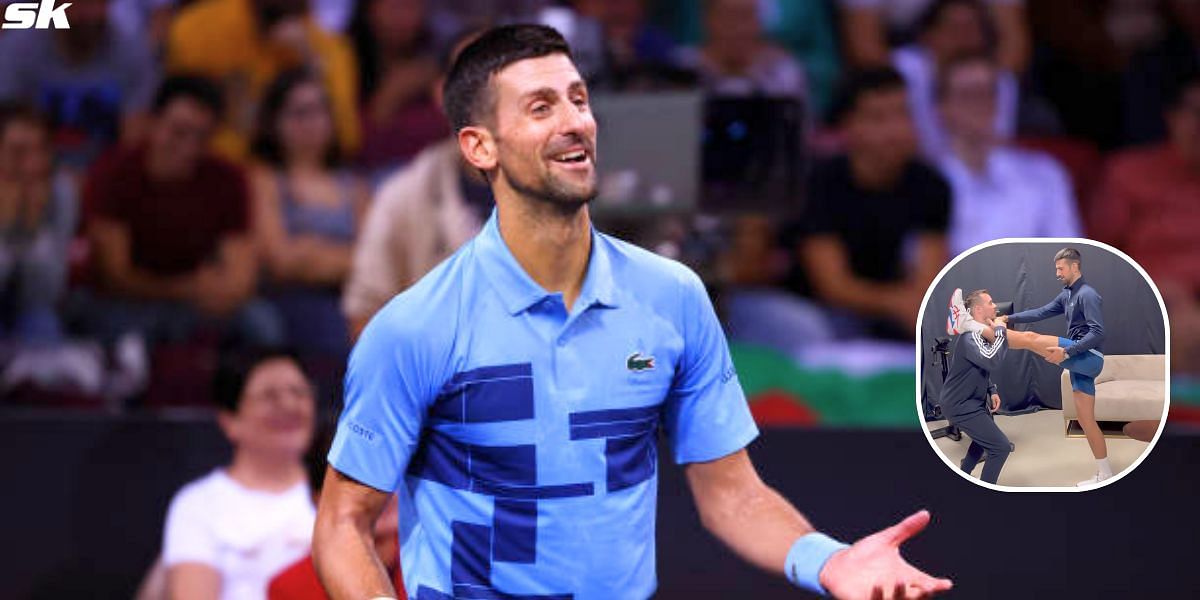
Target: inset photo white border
[920,366]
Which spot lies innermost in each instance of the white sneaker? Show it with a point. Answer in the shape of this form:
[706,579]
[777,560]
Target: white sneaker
[1094,480]
[957,311]
[959,320]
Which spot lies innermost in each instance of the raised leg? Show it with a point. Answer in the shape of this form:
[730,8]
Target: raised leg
[1032,341]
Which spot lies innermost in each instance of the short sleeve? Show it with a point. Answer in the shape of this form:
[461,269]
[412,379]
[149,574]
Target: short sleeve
[707,414]
[187,536]
[388,388]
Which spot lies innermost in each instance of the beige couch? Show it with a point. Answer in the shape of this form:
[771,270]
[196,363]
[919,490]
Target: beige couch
[1131,387]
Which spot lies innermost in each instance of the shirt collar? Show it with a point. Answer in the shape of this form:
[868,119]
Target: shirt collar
[518,291]
[1074,287]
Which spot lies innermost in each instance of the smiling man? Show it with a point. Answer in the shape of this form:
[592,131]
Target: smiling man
[513,396]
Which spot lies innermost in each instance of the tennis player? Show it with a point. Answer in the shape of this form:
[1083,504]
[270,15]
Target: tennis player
[513,396]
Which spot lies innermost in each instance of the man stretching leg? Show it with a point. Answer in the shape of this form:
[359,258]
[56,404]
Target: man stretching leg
[1078,353]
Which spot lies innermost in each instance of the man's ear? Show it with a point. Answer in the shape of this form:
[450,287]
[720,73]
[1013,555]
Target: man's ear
[478,147]
[227,421]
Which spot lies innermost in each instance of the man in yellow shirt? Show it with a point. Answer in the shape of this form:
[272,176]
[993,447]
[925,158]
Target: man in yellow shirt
[245,44]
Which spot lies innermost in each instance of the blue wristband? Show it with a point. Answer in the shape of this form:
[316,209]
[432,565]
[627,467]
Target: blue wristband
[806,559]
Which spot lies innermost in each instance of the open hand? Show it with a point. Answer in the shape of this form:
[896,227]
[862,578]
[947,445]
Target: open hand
[1056,355]
[872,569]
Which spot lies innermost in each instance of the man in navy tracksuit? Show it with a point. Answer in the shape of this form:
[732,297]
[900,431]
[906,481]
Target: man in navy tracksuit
[1079,352]
[968,396]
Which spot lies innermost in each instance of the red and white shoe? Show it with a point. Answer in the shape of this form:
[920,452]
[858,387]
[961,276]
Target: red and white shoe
[957,311]
[959,320]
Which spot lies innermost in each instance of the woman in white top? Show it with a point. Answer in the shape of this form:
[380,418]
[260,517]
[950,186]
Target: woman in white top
[228,533]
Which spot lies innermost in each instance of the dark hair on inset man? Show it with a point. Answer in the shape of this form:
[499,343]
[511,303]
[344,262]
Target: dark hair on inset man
[194,87]
[1069,254]
[973,297]
[860,83]
[467,94]
[267,144]
[234,369]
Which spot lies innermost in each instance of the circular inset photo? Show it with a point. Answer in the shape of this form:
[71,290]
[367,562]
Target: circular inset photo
[1042,364]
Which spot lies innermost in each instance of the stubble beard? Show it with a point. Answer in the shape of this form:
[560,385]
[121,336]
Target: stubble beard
[552,194]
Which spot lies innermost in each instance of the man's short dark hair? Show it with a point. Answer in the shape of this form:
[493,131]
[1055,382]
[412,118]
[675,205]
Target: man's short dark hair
[193,87]
[860,83]
[21,112]
[234,369]
[932,14]
[971,299]
[1069,254]
[467,97]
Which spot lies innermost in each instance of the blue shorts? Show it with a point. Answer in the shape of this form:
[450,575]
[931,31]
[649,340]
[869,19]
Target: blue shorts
[1083,367]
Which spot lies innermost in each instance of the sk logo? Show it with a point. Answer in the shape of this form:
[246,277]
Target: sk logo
[637,363]
[32,15]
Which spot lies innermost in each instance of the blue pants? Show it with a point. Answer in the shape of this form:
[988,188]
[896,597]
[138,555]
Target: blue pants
[1083,367]
[981,427]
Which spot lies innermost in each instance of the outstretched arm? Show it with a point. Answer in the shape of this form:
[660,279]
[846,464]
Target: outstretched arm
[1056,307]
[765,529]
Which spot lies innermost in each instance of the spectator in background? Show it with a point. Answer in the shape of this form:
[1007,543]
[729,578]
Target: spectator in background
[94,81]
[246,44]
[228,533]
[637,55]
[1155,73]
[38,213]
[949,29]
[802,27]
[169,231]
[999,190]
[870,27]
[1082,63]
[1149,206]
[737,59]
[873,233]
[418,218]
[149,16]
[300,582]
[398,51]
[306,212]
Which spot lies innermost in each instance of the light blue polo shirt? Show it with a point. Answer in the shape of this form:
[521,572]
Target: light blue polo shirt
[521,438]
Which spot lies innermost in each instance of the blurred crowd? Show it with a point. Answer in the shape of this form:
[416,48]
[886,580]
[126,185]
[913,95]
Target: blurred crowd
[184,178]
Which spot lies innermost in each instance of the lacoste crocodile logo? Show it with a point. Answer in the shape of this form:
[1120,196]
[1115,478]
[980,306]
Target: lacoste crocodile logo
[638,363]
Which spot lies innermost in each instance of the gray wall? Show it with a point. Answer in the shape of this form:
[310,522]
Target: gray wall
[1024,274]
